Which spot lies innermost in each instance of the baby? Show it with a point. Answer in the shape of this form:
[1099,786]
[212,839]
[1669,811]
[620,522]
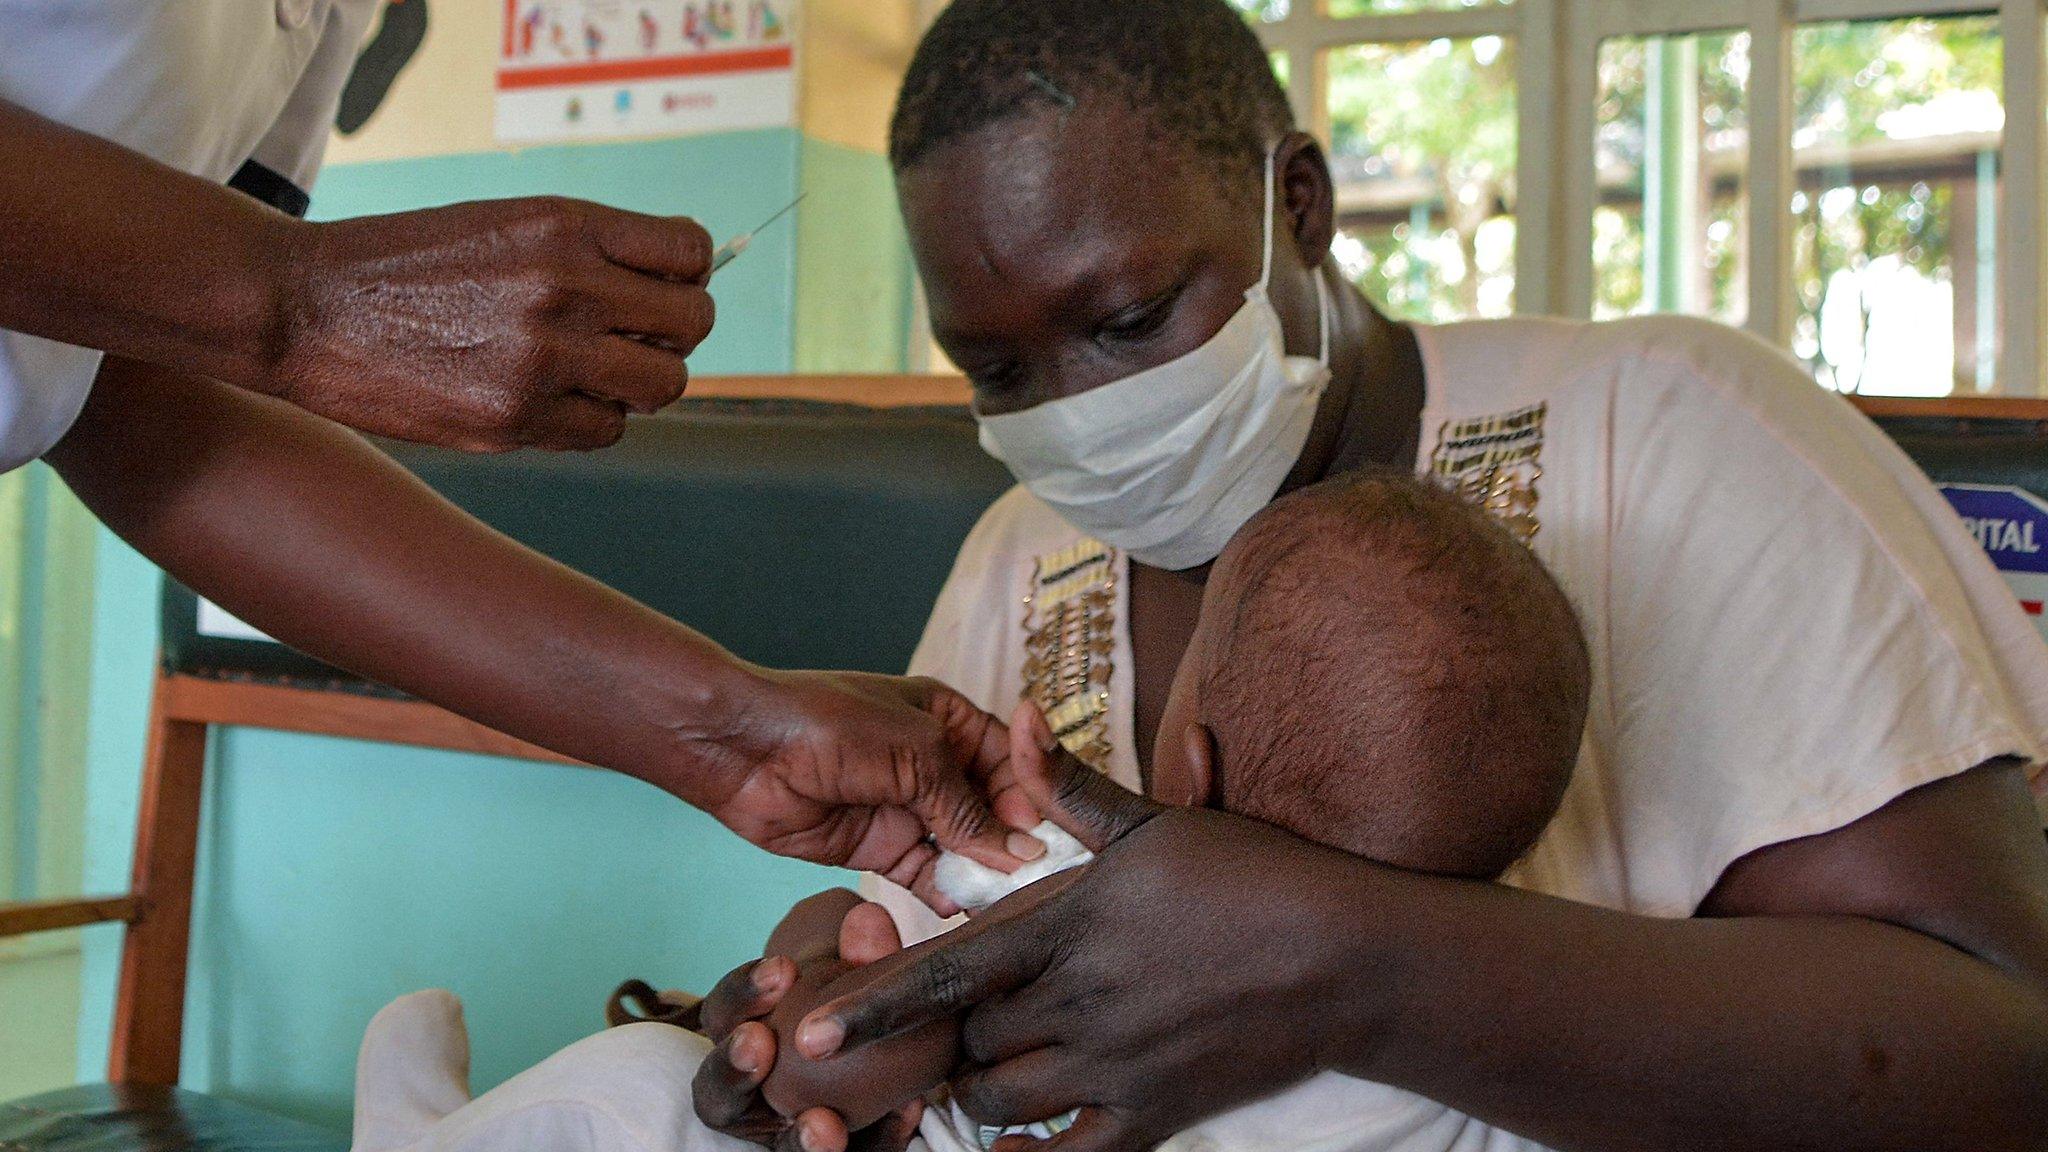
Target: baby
[1378,667]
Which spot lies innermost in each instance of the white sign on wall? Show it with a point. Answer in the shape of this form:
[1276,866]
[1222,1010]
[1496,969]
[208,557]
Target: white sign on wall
[603,69]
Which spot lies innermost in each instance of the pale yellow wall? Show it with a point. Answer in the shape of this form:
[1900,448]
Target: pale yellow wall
[447,91]
[854,54]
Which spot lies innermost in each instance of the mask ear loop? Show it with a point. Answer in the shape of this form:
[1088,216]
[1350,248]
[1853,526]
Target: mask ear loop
[1266,274]
[1323,311]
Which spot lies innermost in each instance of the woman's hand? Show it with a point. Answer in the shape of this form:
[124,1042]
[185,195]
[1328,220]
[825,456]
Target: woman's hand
[1258,929]
[728,1085]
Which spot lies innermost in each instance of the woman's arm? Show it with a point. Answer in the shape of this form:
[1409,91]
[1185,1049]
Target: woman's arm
[1884,986]
[306,531]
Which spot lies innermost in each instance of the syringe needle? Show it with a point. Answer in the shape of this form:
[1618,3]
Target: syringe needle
[738,244]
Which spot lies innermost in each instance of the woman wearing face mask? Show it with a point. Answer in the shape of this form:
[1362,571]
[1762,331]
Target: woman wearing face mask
[1797,895]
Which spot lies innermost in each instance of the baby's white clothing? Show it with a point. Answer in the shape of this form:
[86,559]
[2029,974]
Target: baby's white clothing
[623,1090]
[626,1089]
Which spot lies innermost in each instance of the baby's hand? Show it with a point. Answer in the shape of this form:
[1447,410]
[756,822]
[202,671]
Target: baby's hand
[821,939]
[1093,809]
[881,1083]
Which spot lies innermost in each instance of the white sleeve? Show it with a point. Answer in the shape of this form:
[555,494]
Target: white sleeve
[1799,629]
[297,140]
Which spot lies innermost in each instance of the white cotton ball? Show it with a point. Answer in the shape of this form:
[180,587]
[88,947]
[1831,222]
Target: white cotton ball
[975,886]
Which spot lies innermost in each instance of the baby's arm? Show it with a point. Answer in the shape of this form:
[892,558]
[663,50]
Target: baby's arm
[810,932]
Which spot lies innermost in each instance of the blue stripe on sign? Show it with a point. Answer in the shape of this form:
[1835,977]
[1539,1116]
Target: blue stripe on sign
[2011,524]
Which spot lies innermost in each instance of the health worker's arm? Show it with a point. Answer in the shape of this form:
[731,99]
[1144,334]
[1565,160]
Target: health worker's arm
[1883,986]
[485,326]
[304,530]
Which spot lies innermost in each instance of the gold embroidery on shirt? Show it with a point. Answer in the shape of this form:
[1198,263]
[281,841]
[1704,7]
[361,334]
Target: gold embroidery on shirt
[1069,644]
[1495,462]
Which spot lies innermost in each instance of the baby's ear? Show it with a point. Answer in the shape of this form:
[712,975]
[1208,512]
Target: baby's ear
[1092,808]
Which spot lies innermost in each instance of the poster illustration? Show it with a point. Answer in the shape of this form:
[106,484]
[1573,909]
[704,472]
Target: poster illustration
[602,69]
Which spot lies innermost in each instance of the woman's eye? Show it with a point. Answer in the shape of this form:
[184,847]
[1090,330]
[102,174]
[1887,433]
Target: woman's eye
[994,377]
[1138,321]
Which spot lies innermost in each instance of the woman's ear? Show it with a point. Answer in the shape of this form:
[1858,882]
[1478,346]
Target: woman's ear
[1310,196]
[1200,747]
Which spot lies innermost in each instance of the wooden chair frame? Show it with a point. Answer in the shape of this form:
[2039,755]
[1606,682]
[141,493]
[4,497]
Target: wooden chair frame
[150,1006]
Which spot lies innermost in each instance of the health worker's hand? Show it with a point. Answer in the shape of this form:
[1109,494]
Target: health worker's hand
[855,770]
[491,326]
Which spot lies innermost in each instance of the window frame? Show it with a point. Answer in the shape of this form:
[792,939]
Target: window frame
[1557,46]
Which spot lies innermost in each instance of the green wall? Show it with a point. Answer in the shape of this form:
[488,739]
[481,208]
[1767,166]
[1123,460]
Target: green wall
[728,183]
[854,278]
[47,543]
[39,1001]
[336,876]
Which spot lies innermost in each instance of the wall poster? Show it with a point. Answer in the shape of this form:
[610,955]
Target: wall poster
[604,69]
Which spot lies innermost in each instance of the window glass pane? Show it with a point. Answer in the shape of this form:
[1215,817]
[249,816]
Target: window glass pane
[1262,11]
[1897,133]
[1672,154]
[1390,7]
[1423,147]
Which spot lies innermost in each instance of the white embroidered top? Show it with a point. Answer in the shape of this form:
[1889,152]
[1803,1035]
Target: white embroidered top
[1789,628]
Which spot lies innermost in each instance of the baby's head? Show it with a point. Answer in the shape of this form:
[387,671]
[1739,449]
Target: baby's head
[1381,668]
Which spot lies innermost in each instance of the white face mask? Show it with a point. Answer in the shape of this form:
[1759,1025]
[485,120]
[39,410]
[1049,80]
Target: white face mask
[1168,464]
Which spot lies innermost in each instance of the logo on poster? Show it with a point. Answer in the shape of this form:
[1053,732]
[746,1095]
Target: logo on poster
[2012,526]
[2010,523]
[1998,535]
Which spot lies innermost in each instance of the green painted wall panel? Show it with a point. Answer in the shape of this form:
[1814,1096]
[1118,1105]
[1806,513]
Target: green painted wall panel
[854,276]
[39,996]
[47,542]
[340,875]
[46,566]
[727,183]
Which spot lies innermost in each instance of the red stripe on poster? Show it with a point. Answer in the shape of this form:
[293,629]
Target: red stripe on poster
[657,68]
[511,21]
[2033,607]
